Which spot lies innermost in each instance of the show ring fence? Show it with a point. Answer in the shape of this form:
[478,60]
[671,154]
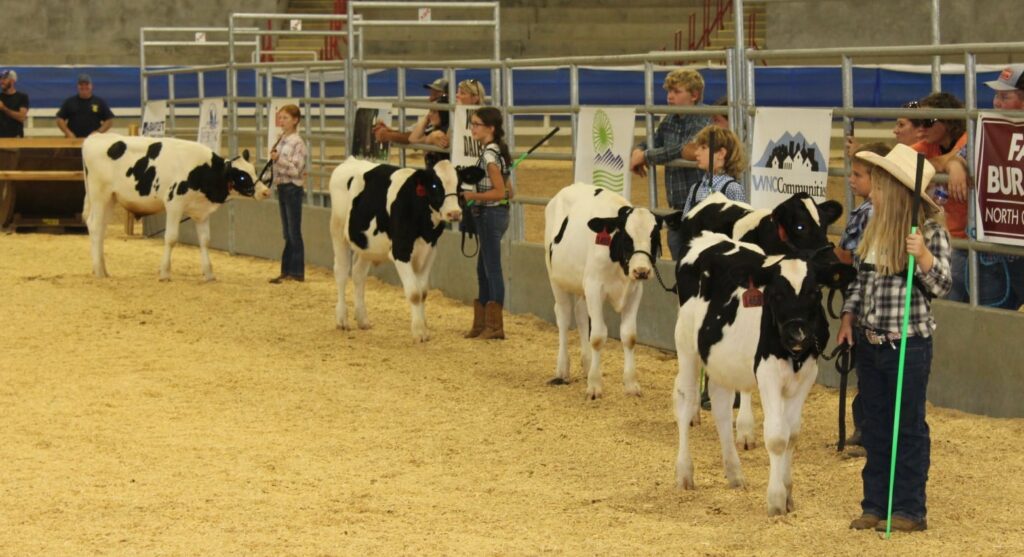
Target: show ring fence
[977,352]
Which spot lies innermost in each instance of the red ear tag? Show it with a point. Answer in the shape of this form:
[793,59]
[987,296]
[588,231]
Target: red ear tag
[421,191]
[603,238]
[752,297]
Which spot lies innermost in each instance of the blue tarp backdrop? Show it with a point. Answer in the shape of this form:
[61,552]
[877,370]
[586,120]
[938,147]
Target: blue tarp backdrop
[48,86]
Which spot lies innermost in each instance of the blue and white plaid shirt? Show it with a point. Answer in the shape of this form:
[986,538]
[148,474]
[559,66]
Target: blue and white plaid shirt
[855,226]
[723,183]
[674,132]
[877,300]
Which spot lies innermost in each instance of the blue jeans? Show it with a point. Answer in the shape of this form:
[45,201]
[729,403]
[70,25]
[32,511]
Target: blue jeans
[491,224]
[877,366]
[1000,280]
[289,201]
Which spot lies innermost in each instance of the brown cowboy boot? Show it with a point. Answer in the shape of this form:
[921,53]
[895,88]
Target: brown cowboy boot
[478,320]
[494,325]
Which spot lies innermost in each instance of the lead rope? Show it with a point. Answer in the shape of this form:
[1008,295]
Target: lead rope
[844,357]
[657,273]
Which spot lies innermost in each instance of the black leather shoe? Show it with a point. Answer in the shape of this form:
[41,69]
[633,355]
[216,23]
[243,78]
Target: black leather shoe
[278,280]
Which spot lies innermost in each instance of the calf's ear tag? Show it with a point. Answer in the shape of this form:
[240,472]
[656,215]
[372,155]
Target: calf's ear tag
[752,297]
[420,190]
[603,238]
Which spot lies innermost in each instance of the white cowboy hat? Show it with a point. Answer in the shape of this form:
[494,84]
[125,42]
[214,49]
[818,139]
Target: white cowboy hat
[901,163]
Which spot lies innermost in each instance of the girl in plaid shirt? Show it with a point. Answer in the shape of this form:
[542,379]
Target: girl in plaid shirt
[871,322]
[289,156]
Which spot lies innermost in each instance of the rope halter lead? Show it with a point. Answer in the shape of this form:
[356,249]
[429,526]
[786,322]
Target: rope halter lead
[845,362]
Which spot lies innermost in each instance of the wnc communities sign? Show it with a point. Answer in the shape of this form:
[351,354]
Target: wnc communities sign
[789,155]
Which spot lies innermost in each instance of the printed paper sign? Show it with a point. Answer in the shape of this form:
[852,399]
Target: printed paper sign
[364,144]
[211,123]
[999,160]
[603,147]
[200,37]
[465,150]
[154,119]
[789,155]
[424,14]
[295,24]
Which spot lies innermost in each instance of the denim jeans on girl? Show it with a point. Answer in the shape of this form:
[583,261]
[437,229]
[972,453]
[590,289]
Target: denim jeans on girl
[878,366]
[289,200]
[491,224]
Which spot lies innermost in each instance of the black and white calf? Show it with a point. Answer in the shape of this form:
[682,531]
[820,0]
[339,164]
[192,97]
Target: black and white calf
[795,227]
[383,213]
[150,175]
[599,247]
[754,322]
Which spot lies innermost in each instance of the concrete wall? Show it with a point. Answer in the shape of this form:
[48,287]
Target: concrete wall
[977,364]
[830,23]
[102,32]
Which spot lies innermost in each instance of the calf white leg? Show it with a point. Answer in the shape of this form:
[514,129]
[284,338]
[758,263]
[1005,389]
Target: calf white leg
[745,423]
[563,315]
[685,399]
[776,435]
[360,270]
[583,328]
[793,411]
[598,336]
[342,264]
[627,333]
[203,232]
[170,239]
[96,221]
[721,408]
[410,285]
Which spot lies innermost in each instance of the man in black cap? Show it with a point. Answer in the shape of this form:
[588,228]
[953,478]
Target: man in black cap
[438,90]
[13,106]
[84,113]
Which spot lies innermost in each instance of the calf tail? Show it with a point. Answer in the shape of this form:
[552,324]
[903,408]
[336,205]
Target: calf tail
[85,204]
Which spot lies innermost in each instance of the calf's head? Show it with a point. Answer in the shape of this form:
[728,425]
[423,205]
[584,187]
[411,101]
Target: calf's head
[442,187]
[792,303]
[241,178]
[635,239]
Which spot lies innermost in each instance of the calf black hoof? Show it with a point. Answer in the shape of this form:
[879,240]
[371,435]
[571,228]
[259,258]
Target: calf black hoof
[558,381]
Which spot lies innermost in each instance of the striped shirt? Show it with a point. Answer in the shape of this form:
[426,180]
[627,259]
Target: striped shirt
[492,155]
[723,183]
[674,132]
[877,300]
[290,165]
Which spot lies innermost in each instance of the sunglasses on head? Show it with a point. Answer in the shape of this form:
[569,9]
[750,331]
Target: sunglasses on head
[920,122]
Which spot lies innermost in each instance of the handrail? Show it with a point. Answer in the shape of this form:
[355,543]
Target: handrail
[911,50]
[717,23]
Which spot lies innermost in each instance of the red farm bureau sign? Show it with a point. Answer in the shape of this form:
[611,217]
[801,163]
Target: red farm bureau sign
[1000,179]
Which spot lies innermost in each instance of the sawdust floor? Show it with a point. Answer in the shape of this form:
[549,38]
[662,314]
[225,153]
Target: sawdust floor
[185,418]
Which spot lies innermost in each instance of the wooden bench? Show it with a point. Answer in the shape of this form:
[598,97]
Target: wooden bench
[41,183]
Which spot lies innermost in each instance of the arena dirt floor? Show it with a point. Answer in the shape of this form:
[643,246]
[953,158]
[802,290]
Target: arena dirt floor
[191,418]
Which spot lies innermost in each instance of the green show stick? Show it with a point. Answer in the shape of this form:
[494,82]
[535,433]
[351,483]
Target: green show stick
[903,345]
[526,154]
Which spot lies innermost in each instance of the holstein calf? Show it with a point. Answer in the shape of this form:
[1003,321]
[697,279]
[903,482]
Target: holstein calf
[148,175]
[795,227]
[385,212]
[599,248]
[754,322]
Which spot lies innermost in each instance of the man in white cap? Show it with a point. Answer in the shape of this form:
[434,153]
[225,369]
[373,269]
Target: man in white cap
[438,92]
[13,106]
[1009,88]
[84,113]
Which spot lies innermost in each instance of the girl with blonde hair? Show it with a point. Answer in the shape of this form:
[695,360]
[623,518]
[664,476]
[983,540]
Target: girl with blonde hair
[872,323]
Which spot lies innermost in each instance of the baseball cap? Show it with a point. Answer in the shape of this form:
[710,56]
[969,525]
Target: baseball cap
[439,84]
[4,74]
[84,78]
[1009,79]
